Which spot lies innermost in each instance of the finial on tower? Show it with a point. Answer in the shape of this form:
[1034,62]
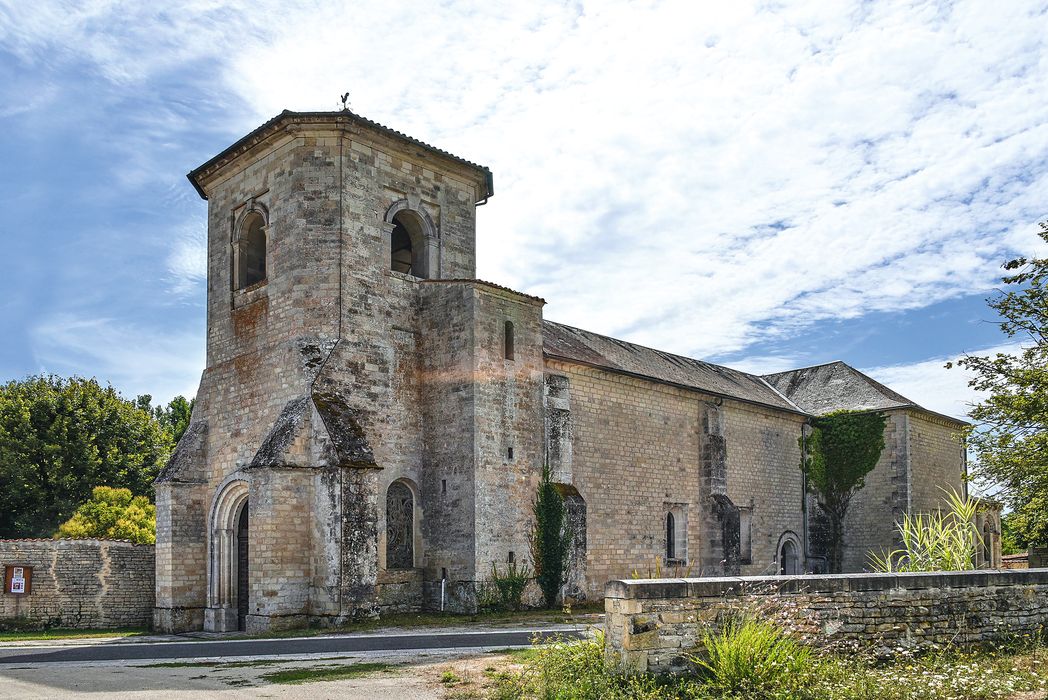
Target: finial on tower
[345,100]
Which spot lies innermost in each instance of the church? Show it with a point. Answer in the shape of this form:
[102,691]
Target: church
[372,423]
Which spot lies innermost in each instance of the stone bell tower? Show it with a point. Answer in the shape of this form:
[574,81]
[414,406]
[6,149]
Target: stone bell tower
[342,424]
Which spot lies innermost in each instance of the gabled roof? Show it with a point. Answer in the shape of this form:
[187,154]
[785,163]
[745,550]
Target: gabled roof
[278,122]
[576,345]
[838,386]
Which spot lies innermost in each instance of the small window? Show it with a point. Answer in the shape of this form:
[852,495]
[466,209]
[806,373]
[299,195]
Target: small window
[251,251]
[671,537]
[509,453]
[745,537]
[512,558]
[508,345]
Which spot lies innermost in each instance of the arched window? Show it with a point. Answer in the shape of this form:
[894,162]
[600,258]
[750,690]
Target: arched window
[400,527]
[251,250]
[508,343]
[671,537]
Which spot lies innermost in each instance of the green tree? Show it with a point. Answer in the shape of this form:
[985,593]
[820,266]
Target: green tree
[112,514]
[59,438]
[1010,542]
[837,454]
[174,417]
[550,538]
[1010,436]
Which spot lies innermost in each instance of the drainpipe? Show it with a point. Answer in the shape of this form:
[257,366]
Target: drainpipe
[804,499]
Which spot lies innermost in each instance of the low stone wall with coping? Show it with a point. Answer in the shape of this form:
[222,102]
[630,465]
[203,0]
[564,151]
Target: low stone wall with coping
[652,624]
[99,584]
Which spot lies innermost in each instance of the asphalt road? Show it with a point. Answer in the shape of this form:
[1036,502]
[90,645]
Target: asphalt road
[274,647]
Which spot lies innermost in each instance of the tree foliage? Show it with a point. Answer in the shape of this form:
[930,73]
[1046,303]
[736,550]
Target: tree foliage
[1011,542]
[837,454]
[112,514]
[59,438]
[550,538]
[1010,439]
[174,417]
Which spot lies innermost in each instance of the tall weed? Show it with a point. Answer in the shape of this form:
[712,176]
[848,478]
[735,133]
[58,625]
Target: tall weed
[753,658]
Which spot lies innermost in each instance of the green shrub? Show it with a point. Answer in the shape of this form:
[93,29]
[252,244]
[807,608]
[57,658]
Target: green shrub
[576,670]
[939,541]
[754,659]
[509,586]
[550,538]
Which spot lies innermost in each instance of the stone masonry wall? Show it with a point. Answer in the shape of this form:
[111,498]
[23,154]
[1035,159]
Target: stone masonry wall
[509,416]
[870,523]
[82,583]
[936,460]
[652,624]
[636,451]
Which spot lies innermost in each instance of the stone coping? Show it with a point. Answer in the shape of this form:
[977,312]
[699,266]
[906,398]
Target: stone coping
[74,540]
[647,589]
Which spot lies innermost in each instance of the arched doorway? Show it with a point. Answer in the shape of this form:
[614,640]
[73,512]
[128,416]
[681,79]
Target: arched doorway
[242,560]
[789,557]
[229,593]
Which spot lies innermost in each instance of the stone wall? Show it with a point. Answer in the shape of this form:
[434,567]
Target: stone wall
[651,624]
[82,583]
[936,460]
[637,451]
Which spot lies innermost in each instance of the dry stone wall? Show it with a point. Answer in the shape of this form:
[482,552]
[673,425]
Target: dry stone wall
[96,584]
[651,625]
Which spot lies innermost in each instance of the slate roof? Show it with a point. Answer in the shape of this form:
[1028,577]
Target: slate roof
[838,386]
[576,345]
[277,123]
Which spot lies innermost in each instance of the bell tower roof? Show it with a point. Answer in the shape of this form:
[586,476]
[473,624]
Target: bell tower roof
[344,119]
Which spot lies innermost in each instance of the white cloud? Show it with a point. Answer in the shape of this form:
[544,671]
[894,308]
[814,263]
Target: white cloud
[695,176]
[136,360]
[931,385]
[187,263]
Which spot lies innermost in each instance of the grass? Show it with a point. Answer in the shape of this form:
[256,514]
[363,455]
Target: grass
[294,676]
[63,633]
[576,670]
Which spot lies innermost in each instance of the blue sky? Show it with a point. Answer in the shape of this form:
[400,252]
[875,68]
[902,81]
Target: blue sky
[765,185]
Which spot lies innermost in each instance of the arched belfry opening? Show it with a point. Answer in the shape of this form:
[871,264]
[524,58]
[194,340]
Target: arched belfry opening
[412,241]
[229,592]
[250,250]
